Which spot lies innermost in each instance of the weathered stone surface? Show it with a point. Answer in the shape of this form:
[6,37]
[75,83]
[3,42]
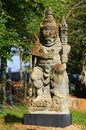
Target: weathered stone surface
[49,77]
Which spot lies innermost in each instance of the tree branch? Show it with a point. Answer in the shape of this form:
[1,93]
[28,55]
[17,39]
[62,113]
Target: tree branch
[73,8]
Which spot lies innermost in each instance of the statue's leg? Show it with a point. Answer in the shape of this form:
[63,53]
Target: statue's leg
[37,81]
[43,97]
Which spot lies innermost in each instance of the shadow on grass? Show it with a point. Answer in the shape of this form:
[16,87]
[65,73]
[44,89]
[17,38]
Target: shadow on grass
[12,119]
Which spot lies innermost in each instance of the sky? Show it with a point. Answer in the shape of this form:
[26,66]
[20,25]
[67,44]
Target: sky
[15,65]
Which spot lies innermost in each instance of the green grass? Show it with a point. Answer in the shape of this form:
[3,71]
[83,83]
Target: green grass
[78,117]
[10,115]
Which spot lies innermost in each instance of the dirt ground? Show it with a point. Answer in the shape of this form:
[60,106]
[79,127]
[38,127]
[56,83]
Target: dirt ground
[29,127]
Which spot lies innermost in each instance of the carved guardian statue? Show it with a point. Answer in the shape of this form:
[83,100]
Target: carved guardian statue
[49,77]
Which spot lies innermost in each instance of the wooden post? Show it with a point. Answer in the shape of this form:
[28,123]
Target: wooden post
[20,48]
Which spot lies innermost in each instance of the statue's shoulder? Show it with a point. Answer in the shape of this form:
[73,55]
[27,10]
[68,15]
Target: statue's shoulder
[37,47]
[37,43]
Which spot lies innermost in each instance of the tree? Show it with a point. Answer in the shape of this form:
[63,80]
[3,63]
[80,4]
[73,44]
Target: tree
[77,37]
[21,18]
[7,38]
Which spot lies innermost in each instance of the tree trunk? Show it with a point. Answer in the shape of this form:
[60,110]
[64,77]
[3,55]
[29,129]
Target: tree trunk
[3,68]
[20,63]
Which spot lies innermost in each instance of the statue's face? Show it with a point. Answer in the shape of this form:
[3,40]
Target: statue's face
[49,35]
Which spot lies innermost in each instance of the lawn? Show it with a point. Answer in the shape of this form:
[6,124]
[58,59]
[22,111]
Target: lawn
[10,116]
[78,117]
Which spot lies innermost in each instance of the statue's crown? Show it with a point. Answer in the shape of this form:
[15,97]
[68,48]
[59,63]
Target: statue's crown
[49,20]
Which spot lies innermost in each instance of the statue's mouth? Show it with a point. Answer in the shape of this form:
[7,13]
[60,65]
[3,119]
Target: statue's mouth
[49,39]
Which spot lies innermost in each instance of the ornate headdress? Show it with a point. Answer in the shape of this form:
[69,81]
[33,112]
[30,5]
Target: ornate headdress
[48,29]
[49,20]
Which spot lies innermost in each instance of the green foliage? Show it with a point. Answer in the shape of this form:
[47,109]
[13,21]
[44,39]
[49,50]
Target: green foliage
[77,37]
[19,19]
[7,36]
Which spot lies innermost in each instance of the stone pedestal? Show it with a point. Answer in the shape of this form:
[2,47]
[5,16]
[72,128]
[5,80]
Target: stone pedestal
[51,120]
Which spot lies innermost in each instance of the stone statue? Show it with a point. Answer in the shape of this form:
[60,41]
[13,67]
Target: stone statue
[49,77]
[83,75]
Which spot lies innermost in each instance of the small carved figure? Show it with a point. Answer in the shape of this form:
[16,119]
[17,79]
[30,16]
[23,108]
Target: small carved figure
[83,75]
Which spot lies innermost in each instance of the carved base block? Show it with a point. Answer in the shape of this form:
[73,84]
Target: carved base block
[52,120]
